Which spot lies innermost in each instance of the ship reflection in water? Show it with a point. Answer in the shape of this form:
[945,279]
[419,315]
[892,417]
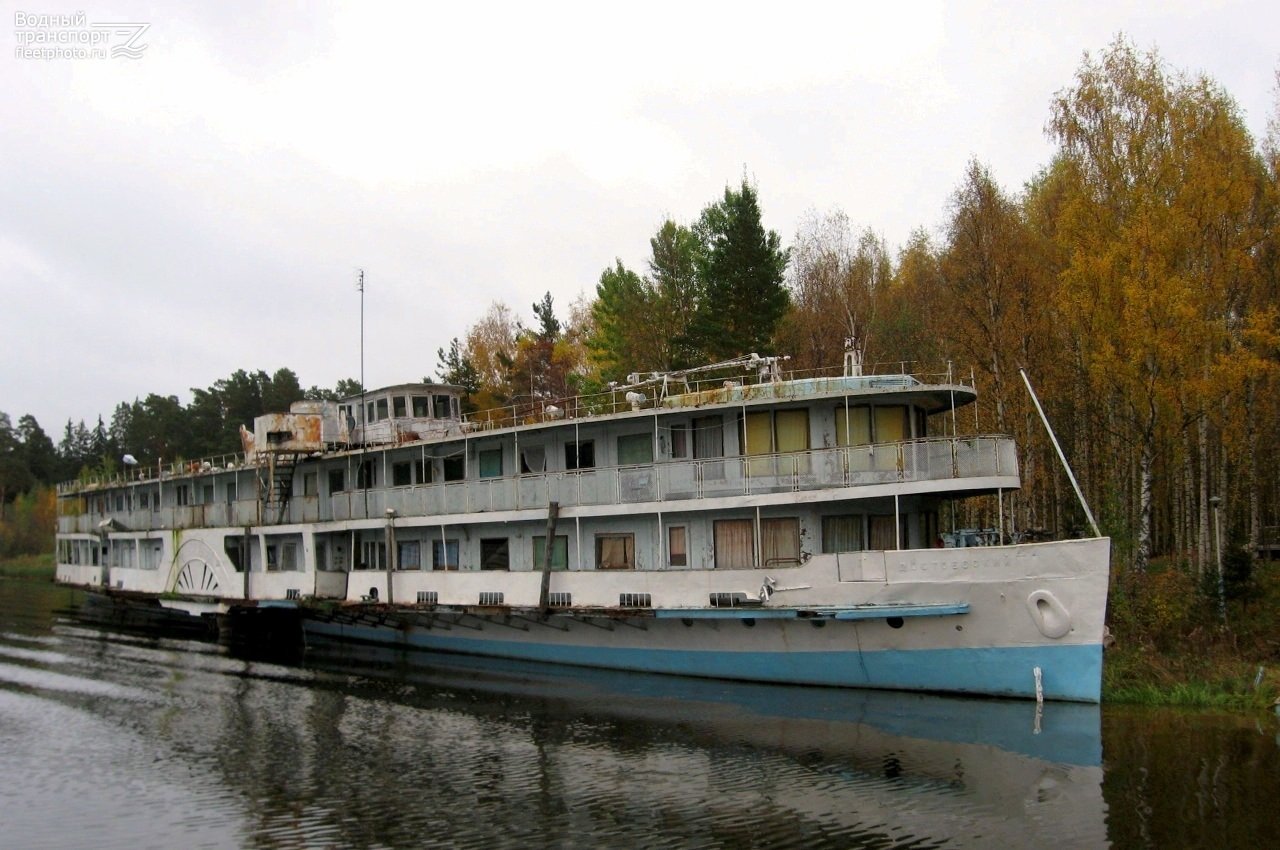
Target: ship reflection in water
[135,741]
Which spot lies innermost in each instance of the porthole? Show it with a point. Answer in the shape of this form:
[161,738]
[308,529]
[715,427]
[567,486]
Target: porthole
[894,622]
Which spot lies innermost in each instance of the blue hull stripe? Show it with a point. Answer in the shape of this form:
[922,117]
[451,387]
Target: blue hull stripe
[1069,672]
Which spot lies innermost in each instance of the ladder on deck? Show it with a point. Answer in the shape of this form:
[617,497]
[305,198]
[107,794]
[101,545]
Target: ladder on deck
[275,485]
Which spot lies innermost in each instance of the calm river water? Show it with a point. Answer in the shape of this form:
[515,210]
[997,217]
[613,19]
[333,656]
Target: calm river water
[109,739]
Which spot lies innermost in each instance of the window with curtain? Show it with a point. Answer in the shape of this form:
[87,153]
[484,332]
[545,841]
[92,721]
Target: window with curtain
[533,460]
[408,555]
[734,541]
[444,554]
[842,533]
[883,533]
[678,546]
[615,551]
[780,541]
[891,424]
[853,427]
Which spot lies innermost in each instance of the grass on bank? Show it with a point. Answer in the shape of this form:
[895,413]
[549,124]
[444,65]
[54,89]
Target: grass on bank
[1172,647]
[27,566]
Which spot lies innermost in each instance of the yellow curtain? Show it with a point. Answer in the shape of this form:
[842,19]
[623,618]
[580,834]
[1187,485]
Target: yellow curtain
[853,429]
[891,424]
[616,551]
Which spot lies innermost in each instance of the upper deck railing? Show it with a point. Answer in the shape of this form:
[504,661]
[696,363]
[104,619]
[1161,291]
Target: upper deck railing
[935,459]
[727,386]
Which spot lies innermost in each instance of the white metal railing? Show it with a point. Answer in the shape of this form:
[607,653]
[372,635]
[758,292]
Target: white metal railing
[933,459]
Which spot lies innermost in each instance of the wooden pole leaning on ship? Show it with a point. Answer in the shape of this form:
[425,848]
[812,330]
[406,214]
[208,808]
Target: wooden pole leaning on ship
[544,595]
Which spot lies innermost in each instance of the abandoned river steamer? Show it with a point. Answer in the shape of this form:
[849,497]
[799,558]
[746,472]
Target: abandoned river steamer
[773,527]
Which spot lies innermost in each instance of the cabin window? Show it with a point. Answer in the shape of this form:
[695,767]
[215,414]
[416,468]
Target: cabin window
[150,554]
[615,551]
[373,555]
[853,426]
[322,555]
[775,431]
[336,480]
[490,463]
[206,494]
[842,533]
[678,546]
[382,409]
[735,547]
[366,475]
[273,558]
[400,407]
[408,555]
[679,440]
[580,455]
[231,493]
[533,460]
[234,546]
[455,468]
[144,500]
[441,405]
[780,541]
[421,407]
[708,437]
[424,471]
[444,554]
[495,554]
[559,552]
[182,495]
[891,424]
[289,556]
[635,448]
[309,484]
[929,535]
[883,533]
[401,474]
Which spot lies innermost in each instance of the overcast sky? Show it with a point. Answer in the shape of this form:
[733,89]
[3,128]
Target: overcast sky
[203,207]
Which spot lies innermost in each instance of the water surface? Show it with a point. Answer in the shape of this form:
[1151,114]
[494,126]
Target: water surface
[117,739]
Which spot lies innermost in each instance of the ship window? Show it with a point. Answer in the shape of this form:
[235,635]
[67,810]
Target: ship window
[409,555]
[882,533]
[780,542]
[441,405]
[678,546]
[289,556]
[891,424]
[444,554]
[680,440]
[273,558]
[615,551]
[421,407]
[776,431]
[206,495]
[373,555]
[401,408]
[581,455]
[841,534]
[734,544]
[559,552]
[455,468]
[366,475]
[231,493]
[322,555]
[382,409]
[533,460]
[144,499]
[490,463]
[182,495]
[424,472]
[708,437]
[336,483]
[309,484]
[635,448]
[495,554]
[234,547]
[401,474]
[853,427]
